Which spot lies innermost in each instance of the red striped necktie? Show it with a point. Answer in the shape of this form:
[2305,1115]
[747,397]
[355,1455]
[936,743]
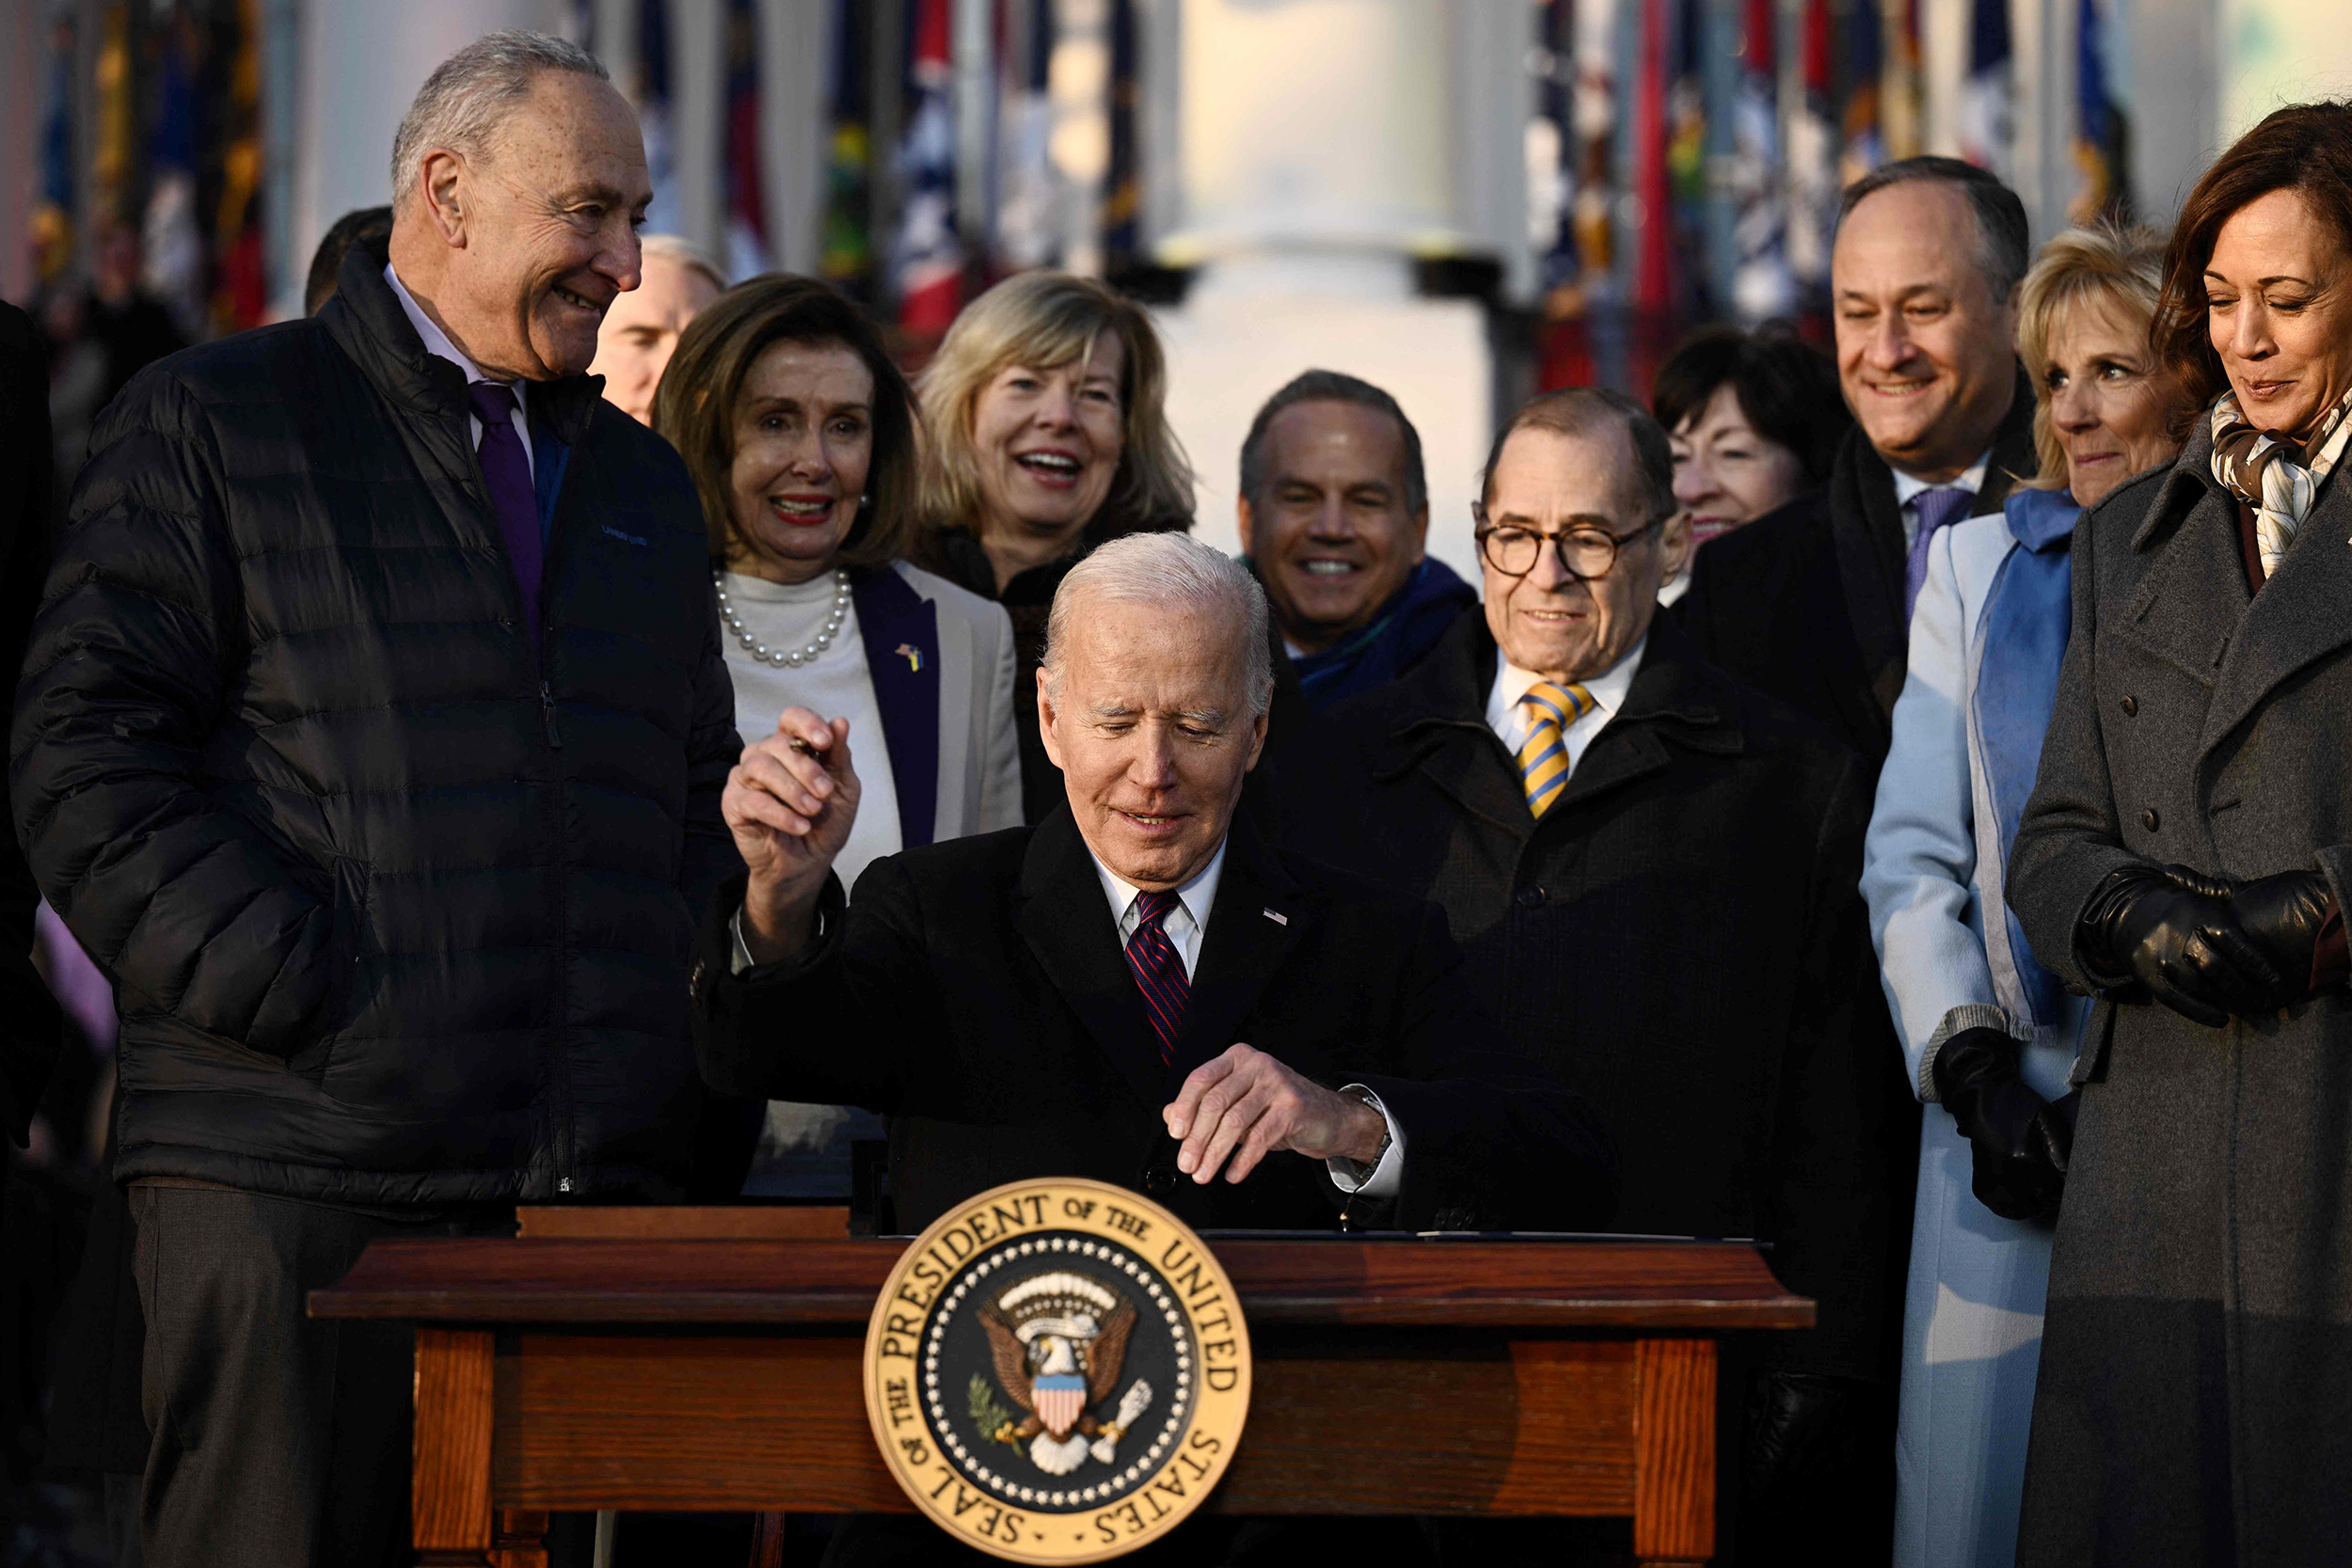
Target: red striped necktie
[1159,970]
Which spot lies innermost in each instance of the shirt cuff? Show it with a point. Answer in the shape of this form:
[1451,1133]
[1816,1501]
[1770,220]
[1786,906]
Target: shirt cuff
[740,963]
[1387,1173]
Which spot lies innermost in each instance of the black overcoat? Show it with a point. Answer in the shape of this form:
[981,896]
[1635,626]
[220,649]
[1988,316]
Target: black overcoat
[1806,604]
[29,1019]
[1680,937]
[975,992]
[2195,1398]
[398,903]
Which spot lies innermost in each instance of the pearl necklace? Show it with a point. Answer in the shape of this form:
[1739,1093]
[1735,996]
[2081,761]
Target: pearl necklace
[780,658]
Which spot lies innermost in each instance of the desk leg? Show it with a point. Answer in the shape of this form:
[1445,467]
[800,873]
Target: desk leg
[448,1502]
[1674,1452]
[521,1540]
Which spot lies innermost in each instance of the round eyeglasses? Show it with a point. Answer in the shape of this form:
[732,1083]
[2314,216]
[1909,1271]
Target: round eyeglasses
[1585,553]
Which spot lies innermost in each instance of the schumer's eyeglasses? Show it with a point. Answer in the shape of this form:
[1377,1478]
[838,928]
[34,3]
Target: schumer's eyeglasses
[1585,553]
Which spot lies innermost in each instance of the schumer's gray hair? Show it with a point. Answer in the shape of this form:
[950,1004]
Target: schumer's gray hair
[1168,571]
[469,94]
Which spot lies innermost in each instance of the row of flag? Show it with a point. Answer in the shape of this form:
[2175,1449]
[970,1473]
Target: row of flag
[953,212]
[171,115]
[1733,174]
[1664,187]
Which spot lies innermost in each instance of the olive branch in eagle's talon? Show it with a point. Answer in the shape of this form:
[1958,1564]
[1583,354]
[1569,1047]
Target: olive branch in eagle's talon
[995,1421]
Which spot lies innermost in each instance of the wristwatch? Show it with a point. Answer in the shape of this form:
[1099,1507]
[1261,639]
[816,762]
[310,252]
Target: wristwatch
[1364,1097]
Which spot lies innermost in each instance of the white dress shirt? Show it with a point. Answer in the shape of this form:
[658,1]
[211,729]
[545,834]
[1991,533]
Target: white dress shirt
[1510,719]
[1185,925]
[1907,492]
[437,343]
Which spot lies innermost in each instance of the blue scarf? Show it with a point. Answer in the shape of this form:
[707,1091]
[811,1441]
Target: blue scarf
[1407,626]
[2023,632]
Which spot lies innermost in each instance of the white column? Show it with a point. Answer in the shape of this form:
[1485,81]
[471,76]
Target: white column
[2042,33]
[2166,59]
[974,97]
[23,98]
[1317,128]
[1319,150]
[796,49]
[361,65]
[1493,98]
[616,43]
[698,120]
[1943,73]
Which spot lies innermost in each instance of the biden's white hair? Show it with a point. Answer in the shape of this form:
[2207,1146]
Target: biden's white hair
[469,96]
[1168,571]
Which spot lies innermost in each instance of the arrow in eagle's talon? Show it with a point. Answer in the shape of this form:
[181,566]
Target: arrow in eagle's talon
[1131,1405]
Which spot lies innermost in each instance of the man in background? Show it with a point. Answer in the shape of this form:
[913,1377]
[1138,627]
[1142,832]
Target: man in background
[1814,605]
[370,738]
[1334,515]
[640,331]
[326,262]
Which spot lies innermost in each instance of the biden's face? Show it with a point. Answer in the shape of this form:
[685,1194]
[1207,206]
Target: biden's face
[1151,726]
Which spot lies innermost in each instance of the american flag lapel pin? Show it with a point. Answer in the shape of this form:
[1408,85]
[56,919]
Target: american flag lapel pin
[1275,915]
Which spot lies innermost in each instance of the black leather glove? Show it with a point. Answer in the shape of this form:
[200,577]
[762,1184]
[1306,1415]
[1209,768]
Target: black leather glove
[1800,1429]
[2176,933]
[2053,1125]
[2015,1172]
[2281,916]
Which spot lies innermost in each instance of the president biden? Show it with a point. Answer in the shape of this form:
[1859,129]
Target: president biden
[1140,988]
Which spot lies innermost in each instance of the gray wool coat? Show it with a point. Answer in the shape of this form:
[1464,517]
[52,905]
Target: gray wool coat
[2195,1400]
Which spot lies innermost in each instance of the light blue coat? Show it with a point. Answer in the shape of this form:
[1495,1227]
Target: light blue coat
[1972,1320]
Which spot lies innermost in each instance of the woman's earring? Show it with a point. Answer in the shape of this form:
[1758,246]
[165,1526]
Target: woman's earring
[865,501]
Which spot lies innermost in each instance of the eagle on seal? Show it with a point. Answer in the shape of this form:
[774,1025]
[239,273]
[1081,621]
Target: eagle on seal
[1059,1340]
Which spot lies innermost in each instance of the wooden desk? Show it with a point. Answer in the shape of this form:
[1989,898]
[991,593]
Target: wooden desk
[1395,1376]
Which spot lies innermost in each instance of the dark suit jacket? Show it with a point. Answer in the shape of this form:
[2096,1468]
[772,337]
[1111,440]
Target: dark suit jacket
[1806,604]
[1681,938]
[975,992]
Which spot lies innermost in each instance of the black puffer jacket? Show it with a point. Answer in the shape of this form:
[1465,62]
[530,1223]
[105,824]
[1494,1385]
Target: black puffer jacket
[400,907]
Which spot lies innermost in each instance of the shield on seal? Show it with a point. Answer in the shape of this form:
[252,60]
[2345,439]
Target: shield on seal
[1060,1401]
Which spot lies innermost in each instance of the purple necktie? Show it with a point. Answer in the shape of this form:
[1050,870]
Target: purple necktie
[1159,971]
[1939,508]
[507,472]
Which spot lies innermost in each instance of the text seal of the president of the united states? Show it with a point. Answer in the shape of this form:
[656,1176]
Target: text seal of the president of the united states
[1058,1372]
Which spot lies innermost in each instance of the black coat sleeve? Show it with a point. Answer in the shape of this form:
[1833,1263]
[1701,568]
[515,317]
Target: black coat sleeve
[184,901]
[30,1031]
[1492,1140]
[713,749]
[1845,1129]
[851,1020]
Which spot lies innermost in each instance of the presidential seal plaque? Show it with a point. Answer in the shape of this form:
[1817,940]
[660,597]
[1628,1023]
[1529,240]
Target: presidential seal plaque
[1058,1372]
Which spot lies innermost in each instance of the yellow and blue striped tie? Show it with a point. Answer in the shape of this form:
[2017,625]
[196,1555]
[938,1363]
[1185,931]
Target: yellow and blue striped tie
[1544,760]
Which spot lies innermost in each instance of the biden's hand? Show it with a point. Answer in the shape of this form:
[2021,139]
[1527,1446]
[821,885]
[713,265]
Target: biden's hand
[1235,1111]
[789,804]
